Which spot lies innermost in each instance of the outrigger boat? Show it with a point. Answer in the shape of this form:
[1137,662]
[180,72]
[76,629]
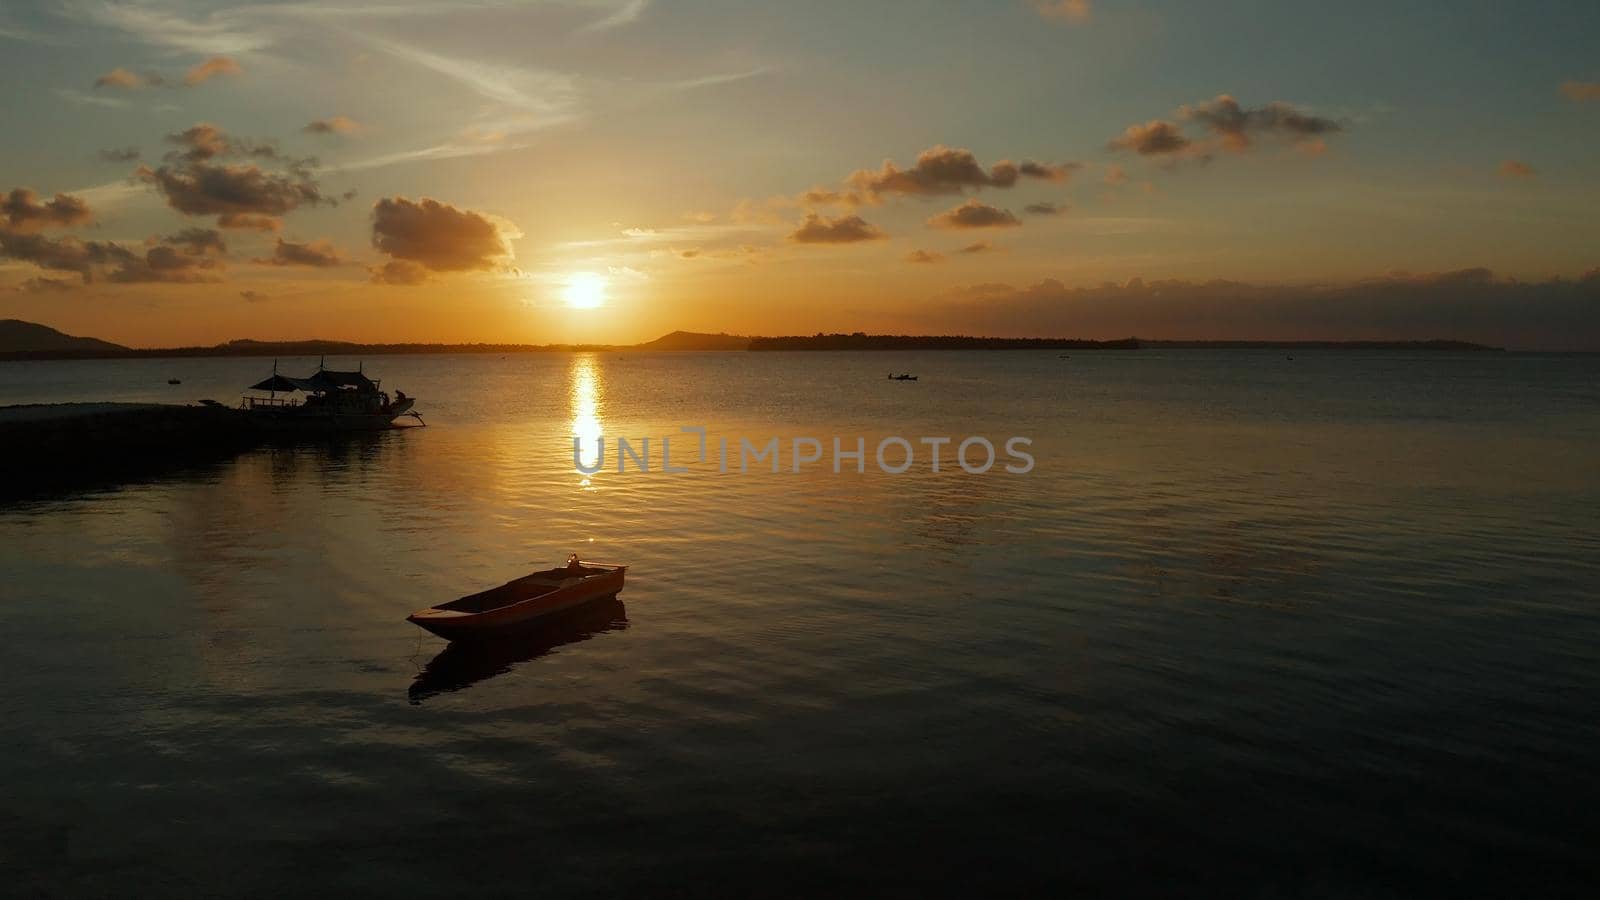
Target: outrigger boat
[334,401]
[523,602]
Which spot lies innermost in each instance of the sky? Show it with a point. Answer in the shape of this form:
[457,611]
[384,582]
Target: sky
[552,171]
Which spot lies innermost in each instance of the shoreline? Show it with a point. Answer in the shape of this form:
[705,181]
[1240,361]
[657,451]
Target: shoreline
[812,344]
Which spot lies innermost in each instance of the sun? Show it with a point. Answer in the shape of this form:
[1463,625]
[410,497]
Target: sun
[584,290]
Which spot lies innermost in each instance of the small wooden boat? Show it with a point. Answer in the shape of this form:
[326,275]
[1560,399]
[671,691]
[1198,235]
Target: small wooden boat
[173,381]
[523,602]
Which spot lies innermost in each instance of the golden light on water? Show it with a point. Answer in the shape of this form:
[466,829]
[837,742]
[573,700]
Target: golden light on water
[585,398]
[584,290]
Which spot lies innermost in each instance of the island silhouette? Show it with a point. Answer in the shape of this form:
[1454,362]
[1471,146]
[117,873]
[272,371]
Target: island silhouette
[29,340]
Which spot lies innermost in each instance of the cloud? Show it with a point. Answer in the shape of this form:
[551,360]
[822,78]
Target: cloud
[1236,125]
[1154,138]
[1115,175]
[67,254]
[944,170]
[1048,172]
[924,256]
[827,197]
[205,141]
[198,241]
[211,68]
[120,79]
[626,13]
[319,254]
[46,285]
[1074,11]
[817,229]
[399,271]
[1581,91]
[1046,209]
[973,214]
[119,154]
[253,296]
[193,255]
[245,221]
[332,125]
[439,236]
[551,97]
[81,98]
[241,195]
[232,191]
[222,31]
[1468,304]
[1231,127]
[1513,168]
[24,212]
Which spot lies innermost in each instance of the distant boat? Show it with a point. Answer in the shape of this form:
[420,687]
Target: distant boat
[334,401]
[522,602]
[173,381]
[905,378]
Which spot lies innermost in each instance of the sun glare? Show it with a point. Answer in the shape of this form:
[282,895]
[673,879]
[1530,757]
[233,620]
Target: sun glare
[584,290]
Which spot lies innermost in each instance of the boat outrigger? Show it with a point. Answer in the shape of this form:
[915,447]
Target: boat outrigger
[523,602]
[334,401]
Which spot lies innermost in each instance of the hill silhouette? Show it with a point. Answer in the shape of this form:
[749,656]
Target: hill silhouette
[26,340]
[17,336]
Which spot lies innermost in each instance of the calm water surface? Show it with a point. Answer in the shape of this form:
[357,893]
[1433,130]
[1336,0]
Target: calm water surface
[1323,626]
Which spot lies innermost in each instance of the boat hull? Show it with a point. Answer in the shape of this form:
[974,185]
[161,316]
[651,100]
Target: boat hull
[456,625]
[319,423]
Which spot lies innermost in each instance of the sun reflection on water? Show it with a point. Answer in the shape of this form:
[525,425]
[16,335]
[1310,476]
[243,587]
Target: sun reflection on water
[584,377]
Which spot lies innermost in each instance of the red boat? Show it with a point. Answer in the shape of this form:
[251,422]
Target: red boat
[523,602]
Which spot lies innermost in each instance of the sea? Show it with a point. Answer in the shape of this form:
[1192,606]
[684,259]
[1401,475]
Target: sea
[1251,624]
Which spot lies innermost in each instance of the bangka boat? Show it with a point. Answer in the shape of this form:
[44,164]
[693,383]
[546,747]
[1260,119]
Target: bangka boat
[902,377]
[522,602]
[334,401]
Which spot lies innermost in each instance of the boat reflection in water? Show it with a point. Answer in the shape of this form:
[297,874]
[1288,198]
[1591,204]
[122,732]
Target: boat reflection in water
[465,663]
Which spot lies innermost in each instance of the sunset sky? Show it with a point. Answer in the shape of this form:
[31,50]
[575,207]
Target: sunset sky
[610,170]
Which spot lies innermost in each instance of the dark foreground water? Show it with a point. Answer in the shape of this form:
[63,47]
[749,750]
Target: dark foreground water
[1252,627]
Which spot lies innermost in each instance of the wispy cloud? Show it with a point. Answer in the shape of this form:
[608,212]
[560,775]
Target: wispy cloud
[83,98]
[449,150]
[111,193]
[223,31]
[14,33]
[689,84]
[553,96]
[625,14]
[697,233]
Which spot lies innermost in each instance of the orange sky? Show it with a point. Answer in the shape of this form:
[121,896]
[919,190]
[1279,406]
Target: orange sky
[397,174]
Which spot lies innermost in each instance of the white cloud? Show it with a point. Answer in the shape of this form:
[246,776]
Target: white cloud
[553,96]
[159,24]
[625,14]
